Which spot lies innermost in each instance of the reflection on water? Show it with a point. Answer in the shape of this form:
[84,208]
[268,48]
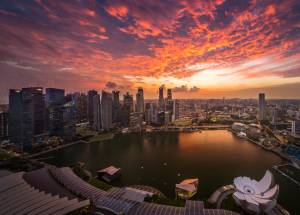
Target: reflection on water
[163,159]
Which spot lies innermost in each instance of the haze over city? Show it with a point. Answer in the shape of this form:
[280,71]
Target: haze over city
[201,49]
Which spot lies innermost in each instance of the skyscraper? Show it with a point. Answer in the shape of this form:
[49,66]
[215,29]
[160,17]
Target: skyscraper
[81,103]
[261,107]
[33,109]
[175,112]
[128,101]
[15,118]
[161,101]
[169,94]
[106,110]
[69,119]
[151,113]
[126,109]
[90,111]
[97,113]
[26,118]
[55,98]
[169,102]
[140,101]
[116,106]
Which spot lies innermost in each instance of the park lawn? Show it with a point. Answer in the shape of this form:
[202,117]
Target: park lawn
[101,137]
[4,155]
[100,184]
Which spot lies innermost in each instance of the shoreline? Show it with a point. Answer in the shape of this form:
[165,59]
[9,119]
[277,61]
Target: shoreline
[93,139]
[264,147]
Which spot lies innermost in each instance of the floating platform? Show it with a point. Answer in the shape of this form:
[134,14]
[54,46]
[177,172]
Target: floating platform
[187,188]
[109,174]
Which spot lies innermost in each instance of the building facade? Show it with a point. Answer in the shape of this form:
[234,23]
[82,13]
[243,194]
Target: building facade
[126,109]
[81,103]
[116,106]
[26,116]
[106,110]
[55,99]
[97,113]
[175,112]
[136,120]
[161,101]
[169,94]
[90,110]
[261,106]
[151,113]
[140,101]
[69,119]
[33,110]
[3,125]
[15,118]
[296,127]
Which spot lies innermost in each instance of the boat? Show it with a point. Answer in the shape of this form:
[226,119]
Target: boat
[242,135]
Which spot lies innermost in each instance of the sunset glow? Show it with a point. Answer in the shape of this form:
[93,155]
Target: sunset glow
[205,49]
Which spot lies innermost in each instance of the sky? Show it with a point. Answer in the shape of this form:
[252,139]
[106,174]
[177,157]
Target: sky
[200,49]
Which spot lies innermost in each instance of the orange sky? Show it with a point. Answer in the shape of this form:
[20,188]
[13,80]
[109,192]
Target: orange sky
[201,49]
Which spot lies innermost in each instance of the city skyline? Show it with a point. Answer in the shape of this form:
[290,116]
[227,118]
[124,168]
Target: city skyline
[204,50]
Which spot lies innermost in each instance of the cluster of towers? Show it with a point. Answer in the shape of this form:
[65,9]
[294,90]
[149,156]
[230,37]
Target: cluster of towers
[34,114]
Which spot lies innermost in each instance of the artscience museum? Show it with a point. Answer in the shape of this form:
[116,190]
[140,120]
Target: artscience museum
[256,196]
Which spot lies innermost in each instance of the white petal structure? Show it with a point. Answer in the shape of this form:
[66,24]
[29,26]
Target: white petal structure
[256,196]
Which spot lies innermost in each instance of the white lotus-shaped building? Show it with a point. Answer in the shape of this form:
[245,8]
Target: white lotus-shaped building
[256,196]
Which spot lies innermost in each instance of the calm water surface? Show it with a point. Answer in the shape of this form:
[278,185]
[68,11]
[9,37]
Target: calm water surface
[163,159]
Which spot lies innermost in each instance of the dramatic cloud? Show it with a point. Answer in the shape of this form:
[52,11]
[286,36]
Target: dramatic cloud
[184,88]
[111,85]
[215,45]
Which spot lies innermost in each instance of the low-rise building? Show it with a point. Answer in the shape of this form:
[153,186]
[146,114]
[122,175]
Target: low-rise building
[239,127]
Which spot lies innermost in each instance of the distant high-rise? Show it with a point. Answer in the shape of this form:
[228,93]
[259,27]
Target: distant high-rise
[55,98]
[15,118]
[3,124]
[151,113]
[169,102]
[175,112]
[128,101]
[97,113]
[161,102]
[169,94]
[81,103]
[116,106]
[261,107]
[126,109]
[106,110]
[90,111]
[296,127]
[140,101]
